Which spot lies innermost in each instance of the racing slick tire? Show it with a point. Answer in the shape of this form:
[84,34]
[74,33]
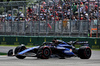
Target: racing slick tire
[84,52]
[44,53]
[19,49]
[10,52]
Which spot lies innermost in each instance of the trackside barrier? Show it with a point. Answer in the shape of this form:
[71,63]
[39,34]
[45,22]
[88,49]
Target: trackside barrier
[94,43]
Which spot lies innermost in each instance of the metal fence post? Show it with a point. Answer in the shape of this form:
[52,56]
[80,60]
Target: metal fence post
[79,17]
[98,19]
[5,22]
[54,20]
[11,18]
[70,18]
[32,21]
[62,19]
[25,20]
[18,21]
[88,21]
[39,20]
[46,20]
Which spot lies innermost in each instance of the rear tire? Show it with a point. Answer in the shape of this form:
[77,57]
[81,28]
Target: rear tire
[19,49]
[84,52]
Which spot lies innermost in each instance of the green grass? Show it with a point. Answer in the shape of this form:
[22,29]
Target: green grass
[10,45]
[16,45]
[3,53]
[96,49]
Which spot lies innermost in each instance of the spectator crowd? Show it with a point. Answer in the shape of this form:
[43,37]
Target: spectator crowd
[61,10]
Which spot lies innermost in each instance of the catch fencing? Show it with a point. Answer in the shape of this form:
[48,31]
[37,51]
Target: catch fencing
[43,28]
[38,23]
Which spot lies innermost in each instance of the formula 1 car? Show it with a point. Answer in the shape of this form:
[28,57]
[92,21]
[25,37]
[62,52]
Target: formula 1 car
[61,49]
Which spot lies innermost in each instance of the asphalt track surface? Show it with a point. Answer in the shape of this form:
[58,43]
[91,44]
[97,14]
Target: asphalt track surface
[5,49]
[33,61]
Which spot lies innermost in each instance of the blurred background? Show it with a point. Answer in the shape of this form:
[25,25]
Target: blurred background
[72,18]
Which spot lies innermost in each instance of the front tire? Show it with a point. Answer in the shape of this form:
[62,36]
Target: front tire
[10,52]
[19,49]
[44,53]
[84,52]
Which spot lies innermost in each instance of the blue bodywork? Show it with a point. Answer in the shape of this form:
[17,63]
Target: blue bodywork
[65,50]
[28,50]
[63,47]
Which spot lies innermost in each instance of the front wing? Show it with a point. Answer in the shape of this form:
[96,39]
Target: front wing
[26,51]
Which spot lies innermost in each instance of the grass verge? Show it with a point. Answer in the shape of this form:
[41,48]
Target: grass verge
[96,49]
[3,53]
[16,45]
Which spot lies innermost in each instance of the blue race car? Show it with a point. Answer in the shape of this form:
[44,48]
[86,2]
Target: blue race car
[56,48]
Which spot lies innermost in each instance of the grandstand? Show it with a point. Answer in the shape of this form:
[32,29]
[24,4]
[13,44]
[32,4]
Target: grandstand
[75,18]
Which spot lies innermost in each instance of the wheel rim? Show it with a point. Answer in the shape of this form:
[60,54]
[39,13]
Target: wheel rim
[87,52]
[46,52]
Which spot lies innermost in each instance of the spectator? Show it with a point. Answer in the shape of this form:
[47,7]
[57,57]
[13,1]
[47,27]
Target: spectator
[99,14]
[65,21]
[21,15]
[3,19]
[9,17]
[95,20]
[61,10]
[81,8]
[74,7]
[29,11]
[86,7]
[0,20]
[28,19]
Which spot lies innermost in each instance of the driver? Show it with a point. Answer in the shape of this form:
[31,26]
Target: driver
[55,42]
